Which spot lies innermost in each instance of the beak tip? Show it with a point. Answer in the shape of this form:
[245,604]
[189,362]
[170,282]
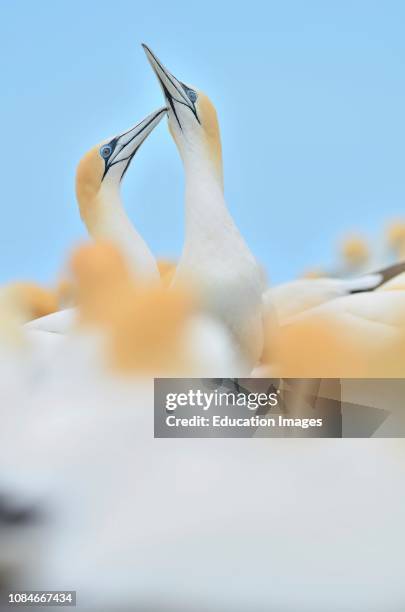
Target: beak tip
[145,48]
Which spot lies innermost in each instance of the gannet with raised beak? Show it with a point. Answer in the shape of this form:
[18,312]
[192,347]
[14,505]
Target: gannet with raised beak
[215,255]
[98,182]
[214,249]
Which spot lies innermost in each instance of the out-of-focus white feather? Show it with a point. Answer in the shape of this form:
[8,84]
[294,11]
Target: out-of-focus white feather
[123,510]
[289,299]
[60,322]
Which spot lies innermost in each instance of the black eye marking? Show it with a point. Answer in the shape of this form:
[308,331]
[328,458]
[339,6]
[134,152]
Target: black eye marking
[112,151]
[191,94]
[106,151]
[171,99]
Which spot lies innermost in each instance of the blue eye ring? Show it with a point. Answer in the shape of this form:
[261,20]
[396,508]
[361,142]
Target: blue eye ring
[105,151]
[192,95]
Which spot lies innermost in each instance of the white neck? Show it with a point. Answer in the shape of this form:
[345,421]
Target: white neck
[212,238]
[206,213]
[217,259]
[109,221]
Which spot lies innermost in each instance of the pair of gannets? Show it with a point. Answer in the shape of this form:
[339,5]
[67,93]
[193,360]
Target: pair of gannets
[215,258]
[216,261]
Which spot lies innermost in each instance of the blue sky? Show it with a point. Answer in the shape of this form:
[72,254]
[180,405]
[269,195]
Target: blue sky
[310,97]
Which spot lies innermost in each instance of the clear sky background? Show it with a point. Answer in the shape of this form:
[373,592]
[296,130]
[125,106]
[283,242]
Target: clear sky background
[310,97]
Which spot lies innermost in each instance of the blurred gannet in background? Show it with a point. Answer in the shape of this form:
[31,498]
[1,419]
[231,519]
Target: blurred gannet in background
[357,274]
[355,253]
[215,256]
[395,239]
[294,297]
[132,325]
[361,334]
[137,523]
[35,300]
[360,270]
[21,302]
[147,329]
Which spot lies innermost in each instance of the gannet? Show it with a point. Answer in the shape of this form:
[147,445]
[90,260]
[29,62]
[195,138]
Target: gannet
[358,334]
[214,251]
[355,253]
[298,296]
[215,256]
[36,301]
[98,181]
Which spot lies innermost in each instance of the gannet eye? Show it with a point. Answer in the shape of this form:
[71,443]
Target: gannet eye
[192,95]
[105,151]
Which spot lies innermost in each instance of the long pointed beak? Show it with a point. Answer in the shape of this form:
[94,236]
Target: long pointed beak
[127,144]
[173,89]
